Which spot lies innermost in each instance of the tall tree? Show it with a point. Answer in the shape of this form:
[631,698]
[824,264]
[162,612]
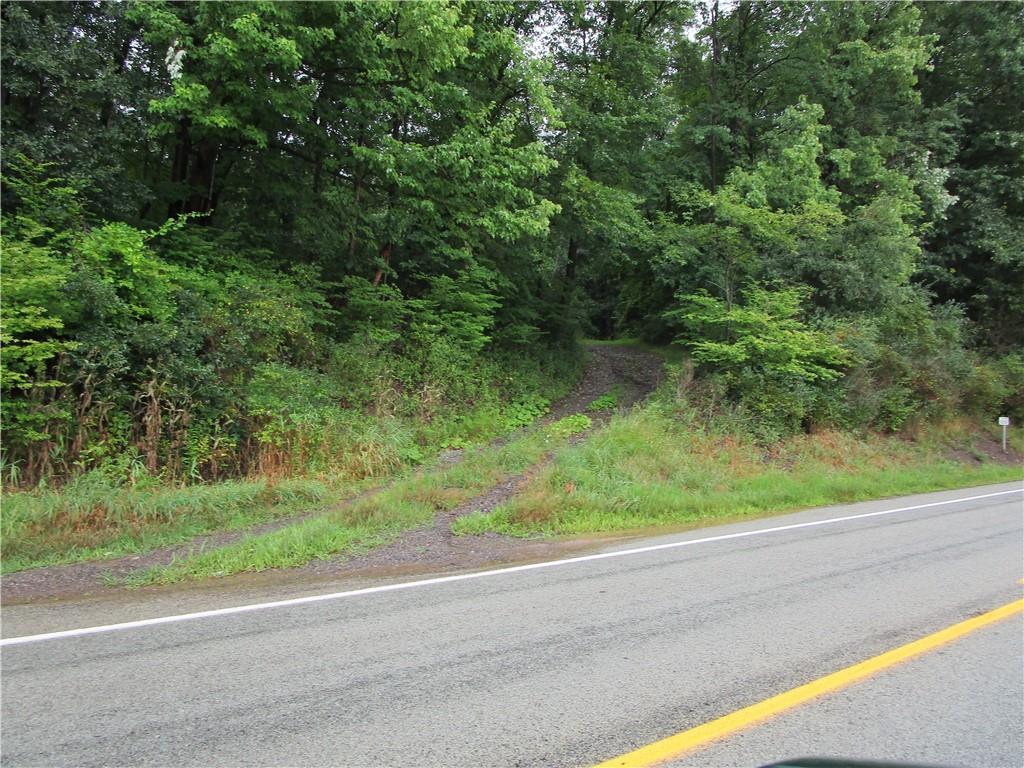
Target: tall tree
[77,81]
[972,93]
[609,65]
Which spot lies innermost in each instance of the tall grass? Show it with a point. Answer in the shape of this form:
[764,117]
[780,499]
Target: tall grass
[94,517]
[301,464]
[649,468]
[373,521]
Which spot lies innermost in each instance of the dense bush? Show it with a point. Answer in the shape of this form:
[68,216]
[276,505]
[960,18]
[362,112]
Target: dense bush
[167,353]
[769,374]
[768,359]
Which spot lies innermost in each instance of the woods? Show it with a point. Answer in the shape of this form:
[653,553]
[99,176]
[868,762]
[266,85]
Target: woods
[262,238]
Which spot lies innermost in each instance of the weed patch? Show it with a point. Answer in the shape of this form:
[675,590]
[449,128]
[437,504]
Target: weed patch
[607,401]
[569,426]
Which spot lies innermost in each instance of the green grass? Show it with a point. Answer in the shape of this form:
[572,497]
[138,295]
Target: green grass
[607,401]
[374,521]
[94,518]
[649,469]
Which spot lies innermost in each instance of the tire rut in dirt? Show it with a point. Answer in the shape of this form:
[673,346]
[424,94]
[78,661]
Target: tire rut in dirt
[435,547]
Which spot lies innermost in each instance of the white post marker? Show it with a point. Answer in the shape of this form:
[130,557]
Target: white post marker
[1004,422]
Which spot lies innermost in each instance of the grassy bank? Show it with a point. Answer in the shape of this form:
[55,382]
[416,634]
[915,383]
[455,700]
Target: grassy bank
[97,516]
[114,511]
[373,521]
[654,468]
[667,463]
[93,517]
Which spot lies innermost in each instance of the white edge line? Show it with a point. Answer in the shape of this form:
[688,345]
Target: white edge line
[467,576]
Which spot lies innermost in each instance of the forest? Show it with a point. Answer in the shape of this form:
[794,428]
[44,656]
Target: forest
[288,239]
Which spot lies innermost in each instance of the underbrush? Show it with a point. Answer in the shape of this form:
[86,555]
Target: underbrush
[94,517]
[309,453]
[658,466]
[373,521]
[186,354]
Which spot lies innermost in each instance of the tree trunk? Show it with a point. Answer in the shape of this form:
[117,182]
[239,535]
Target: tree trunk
[357,199]
[179,164]
[716,58]
[193,164]
[201,176]
[385,255]
[122,61]
[570,269]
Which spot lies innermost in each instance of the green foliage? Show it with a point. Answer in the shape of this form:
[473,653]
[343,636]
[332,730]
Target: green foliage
[163,350]
[910,364]
[767,356]
[765,336]
[525,411]
[569,425]
[974,249]
[607,401]
[781,222]
[32,281]
[334,237]
[998,385]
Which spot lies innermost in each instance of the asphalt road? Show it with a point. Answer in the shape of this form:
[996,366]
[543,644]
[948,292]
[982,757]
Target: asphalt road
[559,666]
[960,705]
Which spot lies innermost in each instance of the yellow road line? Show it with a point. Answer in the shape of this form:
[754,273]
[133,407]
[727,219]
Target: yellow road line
[674,746]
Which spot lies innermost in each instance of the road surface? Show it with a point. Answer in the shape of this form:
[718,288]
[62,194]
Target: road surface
[564,665]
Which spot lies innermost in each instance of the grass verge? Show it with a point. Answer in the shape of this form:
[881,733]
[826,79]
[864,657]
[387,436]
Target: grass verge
[94,518]
[651,468]
[101,515]
[372,522]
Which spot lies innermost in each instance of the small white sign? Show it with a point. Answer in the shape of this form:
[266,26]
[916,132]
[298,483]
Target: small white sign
[1004,421]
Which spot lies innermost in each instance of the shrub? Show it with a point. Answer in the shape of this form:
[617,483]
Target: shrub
[769,360]
[178,354]
[607,401]
[909,363]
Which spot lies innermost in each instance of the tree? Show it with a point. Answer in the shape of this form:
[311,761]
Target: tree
[976,250]
[769,359]
[608,75]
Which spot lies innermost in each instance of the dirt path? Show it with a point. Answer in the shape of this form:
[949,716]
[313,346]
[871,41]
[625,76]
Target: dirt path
[435,547]
[431,547]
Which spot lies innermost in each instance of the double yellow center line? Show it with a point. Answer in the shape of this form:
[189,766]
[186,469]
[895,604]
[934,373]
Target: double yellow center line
[681,743]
